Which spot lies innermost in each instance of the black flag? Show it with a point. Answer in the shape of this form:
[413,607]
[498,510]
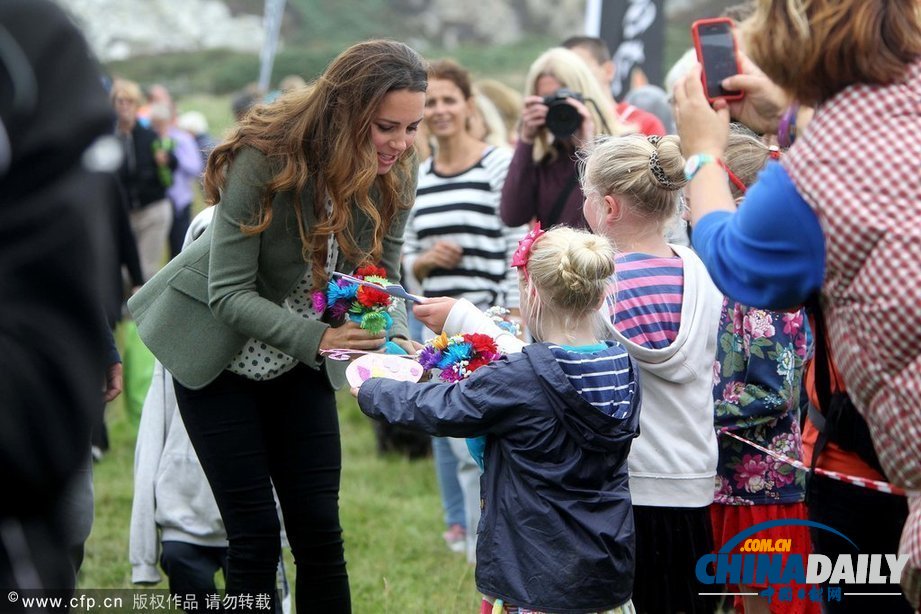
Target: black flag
[635,33]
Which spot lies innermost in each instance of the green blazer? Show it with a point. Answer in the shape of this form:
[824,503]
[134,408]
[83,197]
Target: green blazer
[227,287]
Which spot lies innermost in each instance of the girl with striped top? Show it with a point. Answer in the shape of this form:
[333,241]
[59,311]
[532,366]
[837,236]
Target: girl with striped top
[556,533]
[665,310]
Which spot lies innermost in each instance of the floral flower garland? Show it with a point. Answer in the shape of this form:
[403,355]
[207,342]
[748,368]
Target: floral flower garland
[366,306]
[458,356]
[501,317]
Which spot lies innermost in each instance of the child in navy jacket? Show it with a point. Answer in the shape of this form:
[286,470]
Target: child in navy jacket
[556,532]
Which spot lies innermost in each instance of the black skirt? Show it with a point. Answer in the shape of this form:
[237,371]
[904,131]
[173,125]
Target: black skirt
[669,541]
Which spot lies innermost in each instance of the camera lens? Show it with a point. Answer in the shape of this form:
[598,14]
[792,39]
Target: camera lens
[563,119]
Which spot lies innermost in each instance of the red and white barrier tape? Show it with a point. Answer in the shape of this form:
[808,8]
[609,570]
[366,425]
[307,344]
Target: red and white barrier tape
[876,485]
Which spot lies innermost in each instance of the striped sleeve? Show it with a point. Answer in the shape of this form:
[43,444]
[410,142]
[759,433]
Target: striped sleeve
[498,169]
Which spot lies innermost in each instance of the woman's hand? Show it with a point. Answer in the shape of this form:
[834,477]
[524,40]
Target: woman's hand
[354,391]
[161,157]
[350,336]
[702,129]
[533,118]
[764,102]
[442,255]
[114,382]
[434,312]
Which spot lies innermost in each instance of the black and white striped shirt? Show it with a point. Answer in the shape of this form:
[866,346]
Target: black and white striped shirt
[464,208]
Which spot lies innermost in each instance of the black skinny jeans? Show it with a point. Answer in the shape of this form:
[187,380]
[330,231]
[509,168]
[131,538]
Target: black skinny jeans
[250,435]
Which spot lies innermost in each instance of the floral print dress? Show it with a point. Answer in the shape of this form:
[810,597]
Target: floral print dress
[757,393]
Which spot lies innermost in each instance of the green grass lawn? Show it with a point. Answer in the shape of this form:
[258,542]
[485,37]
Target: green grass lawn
[391,515]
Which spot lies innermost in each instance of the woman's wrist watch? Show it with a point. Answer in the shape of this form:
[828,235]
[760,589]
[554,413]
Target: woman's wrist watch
[697,161]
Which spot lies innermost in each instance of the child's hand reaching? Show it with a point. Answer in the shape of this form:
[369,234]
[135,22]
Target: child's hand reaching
[434,312]
[408,345]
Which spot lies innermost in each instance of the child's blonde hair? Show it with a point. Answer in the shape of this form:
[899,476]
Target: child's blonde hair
[566,278]
[649,171]
[745,156]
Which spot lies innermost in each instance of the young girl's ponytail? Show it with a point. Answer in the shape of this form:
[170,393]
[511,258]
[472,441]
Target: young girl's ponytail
[647,171]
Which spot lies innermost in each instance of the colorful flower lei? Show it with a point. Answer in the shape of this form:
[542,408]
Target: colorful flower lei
[501,317]
[366,306]
[458,356]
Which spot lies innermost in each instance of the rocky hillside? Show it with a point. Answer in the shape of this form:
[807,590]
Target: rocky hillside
[119,29]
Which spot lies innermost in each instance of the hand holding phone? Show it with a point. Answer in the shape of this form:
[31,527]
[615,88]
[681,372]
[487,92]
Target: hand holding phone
[715,43]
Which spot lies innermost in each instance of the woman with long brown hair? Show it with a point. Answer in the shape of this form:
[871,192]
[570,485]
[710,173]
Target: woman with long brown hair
[317,182]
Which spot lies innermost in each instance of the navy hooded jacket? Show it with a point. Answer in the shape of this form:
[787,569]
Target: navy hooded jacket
[556,531]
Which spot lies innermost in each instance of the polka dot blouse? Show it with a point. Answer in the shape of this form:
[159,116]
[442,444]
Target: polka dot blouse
[260,361]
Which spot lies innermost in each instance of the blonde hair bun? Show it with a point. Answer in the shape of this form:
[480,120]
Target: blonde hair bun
[650,170]
[570,268]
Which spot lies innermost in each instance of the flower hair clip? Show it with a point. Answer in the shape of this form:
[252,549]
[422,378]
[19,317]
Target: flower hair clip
[501,317]
[523,253]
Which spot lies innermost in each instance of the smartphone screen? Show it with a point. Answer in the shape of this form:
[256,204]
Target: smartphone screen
[717,48]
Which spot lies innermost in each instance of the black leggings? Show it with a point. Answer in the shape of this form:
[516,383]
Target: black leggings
[250,435]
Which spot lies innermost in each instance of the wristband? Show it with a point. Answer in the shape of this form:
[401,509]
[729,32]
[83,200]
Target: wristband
[786,128]
[698,161]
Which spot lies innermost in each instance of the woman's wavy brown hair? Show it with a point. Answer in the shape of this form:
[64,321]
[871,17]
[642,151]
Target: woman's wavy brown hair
[322,134]
[449,70]
[816,48]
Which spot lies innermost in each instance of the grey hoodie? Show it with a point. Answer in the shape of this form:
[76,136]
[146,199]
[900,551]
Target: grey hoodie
[673,462]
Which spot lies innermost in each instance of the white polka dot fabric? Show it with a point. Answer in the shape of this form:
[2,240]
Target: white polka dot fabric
[260,361]
[859,166]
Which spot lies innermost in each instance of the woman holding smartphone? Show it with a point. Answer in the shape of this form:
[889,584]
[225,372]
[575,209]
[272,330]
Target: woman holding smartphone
[319,181]
[850,187]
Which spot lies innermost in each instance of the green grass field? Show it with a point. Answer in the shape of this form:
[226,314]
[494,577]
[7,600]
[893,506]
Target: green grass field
[390,509]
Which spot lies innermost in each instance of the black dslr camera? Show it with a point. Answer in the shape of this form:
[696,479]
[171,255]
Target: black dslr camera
[562,118]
